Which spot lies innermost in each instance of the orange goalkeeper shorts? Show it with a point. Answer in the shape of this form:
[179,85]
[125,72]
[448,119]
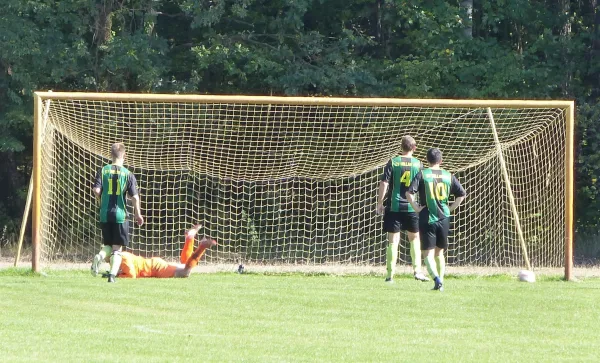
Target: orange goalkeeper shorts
[162,269]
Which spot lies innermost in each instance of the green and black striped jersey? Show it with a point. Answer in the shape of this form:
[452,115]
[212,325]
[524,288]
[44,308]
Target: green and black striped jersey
[115,182]
[399,173]
[434,187]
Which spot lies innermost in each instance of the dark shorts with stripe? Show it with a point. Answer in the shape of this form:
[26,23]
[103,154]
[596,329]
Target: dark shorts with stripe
[394,222]
[115,233]
[434,234]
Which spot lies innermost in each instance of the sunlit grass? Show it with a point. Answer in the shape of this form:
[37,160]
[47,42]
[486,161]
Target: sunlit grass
[71,316]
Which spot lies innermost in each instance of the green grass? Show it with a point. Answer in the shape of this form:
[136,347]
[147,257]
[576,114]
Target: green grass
[69,316]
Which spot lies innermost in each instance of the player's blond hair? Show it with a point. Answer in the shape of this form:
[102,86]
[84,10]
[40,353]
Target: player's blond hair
[117,151]
[408,143]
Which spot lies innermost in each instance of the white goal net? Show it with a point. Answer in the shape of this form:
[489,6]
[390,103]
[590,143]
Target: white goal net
[296,183]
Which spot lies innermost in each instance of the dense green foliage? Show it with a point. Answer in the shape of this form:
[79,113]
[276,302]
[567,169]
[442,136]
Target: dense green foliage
[295,318]
[534,49]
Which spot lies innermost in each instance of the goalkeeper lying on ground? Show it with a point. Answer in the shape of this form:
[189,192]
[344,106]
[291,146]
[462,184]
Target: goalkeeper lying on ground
[133,266]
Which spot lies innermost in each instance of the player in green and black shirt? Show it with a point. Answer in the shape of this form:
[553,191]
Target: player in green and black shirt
[113,184]
[398,213]
[434,186]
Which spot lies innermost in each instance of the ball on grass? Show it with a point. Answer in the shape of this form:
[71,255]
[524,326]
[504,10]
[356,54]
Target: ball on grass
[526,276]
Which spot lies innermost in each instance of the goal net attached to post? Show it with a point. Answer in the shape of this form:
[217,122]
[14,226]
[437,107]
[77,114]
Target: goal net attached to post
[292,180]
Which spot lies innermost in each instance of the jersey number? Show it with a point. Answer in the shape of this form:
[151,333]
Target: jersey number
[405,178]
[110,187]
[438,190]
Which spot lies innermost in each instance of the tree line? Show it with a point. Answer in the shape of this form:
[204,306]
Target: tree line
[497,49]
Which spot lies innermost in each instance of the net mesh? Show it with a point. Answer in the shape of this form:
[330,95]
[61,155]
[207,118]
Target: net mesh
[297,184]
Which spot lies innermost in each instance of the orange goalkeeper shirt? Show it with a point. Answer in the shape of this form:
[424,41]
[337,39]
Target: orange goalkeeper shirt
[133,266]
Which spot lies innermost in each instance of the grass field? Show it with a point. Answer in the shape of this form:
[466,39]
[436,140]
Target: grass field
[70,316]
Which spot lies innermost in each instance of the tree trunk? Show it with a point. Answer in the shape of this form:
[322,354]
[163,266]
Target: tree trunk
[565,10]
[378,12]
[595,38]
[466,7]
[565,32]
[103,23]
[478,30]
[594,76]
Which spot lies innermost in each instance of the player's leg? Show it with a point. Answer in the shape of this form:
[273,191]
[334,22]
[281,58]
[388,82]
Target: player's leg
[415,255]
[192,262]
[428,241]
[440,262]
[391,255]
[104,252]
[99,257]
[410,224]
[432,267]
[181,271]
[120,240]
[188,247]
[391,225]
[115,262]
[442,244]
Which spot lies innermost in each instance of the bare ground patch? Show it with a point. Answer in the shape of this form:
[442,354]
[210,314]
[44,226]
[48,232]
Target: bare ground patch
[330,269]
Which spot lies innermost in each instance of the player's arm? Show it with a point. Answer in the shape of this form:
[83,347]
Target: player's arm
[412,190]
[97,187]
[133,193]
[459,193]
[137,209]
[383,187]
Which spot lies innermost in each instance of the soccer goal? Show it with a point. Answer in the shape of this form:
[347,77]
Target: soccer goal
[293,180]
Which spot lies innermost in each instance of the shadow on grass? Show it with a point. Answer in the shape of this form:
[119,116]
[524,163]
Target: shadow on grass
[19,271]
[28,272]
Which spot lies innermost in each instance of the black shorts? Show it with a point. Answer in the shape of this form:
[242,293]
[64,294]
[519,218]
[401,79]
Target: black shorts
[394,222]
[435,234]
[115,233]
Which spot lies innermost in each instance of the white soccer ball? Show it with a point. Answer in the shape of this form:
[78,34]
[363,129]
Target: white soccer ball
[526,276]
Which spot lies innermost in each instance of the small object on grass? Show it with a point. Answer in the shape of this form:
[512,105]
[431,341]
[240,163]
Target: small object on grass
[526,276]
